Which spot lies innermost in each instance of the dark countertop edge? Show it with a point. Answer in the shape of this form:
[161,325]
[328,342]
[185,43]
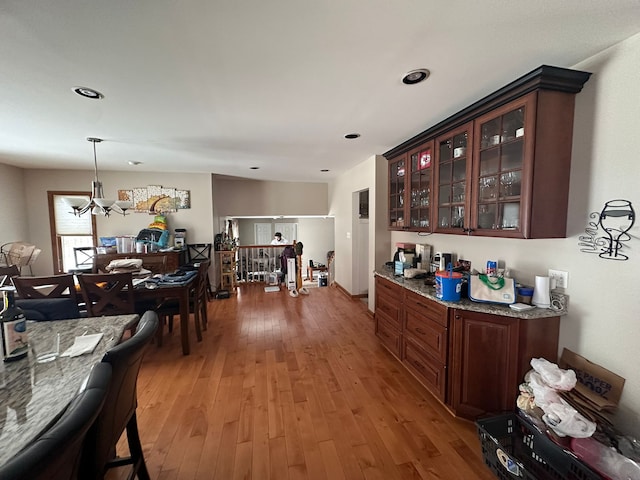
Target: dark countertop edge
[418,286]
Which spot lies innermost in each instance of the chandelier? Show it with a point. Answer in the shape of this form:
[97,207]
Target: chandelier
[97,205]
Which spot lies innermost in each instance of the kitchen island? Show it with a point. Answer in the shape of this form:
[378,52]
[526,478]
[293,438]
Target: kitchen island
[471,356]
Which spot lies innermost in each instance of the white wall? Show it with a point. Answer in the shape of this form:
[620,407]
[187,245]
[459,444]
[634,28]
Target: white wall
[370,174]
[12,205]
[198,220]
[242,197]
[604,320]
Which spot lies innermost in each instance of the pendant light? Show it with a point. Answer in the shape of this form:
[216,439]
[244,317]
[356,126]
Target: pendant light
[97,205]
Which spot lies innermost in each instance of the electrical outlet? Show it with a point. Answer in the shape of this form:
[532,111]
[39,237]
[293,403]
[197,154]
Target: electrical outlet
[561,278]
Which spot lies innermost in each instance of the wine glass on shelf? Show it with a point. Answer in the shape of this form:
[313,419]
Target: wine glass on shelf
[506,180]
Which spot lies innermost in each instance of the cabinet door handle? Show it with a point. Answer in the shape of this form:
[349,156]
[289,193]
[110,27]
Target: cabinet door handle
[420,331]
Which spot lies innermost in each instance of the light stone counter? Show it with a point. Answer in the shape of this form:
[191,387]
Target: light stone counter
[418,286]
[32,395]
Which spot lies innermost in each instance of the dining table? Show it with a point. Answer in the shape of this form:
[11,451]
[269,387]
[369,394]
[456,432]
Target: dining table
[163,287]
[34,395]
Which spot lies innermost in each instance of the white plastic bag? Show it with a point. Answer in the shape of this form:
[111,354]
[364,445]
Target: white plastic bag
[565,420]
[543,394]
[554,376]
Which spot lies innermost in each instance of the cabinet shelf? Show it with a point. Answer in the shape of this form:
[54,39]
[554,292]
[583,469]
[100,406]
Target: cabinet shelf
[500,167]
[227,261]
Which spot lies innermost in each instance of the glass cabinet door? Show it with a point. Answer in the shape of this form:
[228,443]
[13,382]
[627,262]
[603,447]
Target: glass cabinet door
[420,187]
[452,178]
[397,176]
[500,170]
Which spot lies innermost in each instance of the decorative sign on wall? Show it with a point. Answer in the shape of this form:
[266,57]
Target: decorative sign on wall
[155,199]
[615,219]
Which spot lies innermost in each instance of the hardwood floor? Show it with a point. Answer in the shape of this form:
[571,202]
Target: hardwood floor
[294,388]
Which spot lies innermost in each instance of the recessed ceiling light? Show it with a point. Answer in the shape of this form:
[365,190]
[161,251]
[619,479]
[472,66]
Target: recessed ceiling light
[324,170]
[415,76]
[351,136]
[254,168]
[134,162]
[88,92]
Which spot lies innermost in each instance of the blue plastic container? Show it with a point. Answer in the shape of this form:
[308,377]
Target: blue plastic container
[448,285]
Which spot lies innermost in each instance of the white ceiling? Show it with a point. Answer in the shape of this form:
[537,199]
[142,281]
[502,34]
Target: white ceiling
[224,85]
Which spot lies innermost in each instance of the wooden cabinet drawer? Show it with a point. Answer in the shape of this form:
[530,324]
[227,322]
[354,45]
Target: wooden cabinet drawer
[388,335]
[431,373]
[390,308]
[431,336]
[430,309]
[389,288]
[389,301]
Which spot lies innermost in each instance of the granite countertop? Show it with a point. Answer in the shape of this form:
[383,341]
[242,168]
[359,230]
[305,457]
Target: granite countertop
[32,394]
[418,286]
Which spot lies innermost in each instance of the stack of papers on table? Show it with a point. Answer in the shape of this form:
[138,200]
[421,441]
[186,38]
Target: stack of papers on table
[83,344]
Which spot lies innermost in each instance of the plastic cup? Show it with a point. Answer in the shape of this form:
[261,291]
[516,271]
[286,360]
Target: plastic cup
[47,348]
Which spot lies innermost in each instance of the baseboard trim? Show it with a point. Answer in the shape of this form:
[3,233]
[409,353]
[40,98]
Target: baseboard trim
[345,292]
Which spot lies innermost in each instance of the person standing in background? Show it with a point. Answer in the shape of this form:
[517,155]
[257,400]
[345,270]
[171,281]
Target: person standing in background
[278,239]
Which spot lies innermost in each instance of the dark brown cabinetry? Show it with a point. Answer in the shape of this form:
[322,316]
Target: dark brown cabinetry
[410,187]
[415,330]
[453,185]
[425,342]
[500,167]
[490,355]
[388,315]
[173,259]
[471,361]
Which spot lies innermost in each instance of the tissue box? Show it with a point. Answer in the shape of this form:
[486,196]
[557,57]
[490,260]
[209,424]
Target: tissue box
[400,266]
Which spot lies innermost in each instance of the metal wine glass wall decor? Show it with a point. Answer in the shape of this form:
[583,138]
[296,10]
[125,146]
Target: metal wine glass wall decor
[615,219]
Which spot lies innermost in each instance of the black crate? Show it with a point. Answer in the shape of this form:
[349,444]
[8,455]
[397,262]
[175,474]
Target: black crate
[514,448]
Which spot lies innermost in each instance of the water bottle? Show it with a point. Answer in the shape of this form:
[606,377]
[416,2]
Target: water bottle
[13,326]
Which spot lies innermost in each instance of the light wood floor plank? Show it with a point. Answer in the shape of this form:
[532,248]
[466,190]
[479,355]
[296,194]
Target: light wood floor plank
[285,388]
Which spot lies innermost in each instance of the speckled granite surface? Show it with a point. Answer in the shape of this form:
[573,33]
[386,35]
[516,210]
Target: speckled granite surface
[34,394]
[418,286]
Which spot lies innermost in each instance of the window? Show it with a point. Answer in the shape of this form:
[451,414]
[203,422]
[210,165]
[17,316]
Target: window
[68,231]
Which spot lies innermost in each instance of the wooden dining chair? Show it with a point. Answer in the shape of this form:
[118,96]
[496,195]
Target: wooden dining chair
[119,411]
[199,252]
[7,273]
[107,293]
[56,454]
[198,299]
[53,286]
[155,263]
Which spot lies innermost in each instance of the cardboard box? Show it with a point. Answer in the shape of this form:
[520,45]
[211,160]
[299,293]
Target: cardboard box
[595,383]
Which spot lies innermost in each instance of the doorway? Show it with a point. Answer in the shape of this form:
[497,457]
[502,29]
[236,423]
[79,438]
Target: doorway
[360,243]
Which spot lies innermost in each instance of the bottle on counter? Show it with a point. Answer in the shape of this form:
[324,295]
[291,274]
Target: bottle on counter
[492,268]
[13,327]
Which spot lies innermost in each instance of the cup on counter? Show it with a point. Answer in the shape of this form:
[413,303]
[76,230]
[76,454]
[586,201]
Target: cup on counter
[46,348]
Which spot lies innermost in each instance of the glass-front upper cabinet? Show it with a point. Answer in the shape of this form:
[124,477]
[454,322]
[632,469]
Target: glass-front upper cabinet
[420,187]
[500,169]
[452,173]
[397,187]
